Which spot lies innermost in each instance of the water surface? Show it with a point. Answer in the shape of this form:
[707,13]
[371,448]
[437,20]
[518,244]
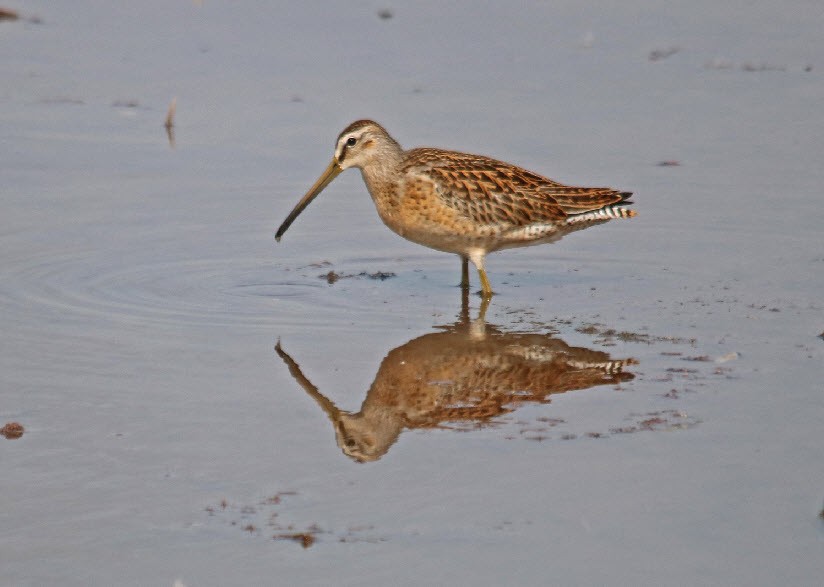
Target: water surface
[142,295]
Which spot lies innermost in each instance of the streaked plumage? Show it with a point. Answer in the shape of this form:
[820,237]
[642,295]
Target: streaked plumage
[460,203]
[465,375]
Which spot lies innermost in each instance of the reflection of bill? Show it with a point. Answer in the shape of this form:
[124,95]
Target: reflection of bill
[468,372]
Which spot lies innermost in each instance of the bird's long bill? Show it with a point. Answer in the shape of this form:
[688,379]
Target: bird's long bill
[324,180]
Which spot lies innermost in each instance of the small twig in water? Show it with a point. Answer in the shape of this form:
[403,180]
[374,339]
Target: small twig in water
[170,122]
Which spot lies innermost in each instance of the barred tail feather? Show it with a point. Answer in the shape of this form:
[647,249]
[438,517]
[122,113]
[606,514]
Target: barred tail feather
[605,213]
[608,367]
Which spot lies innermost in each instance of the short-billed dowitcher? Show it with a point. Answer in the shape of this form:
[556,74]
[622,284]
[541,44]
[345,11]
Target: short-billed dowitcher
[463,376]
[466,204]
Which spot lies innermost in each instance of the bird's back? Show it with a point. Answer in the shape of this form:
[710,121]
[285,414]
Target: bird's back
[491,192]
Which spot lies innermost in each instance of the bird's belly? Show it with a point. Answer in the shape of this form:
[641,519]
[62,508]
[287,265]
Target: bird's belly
[429,233]
[461,237]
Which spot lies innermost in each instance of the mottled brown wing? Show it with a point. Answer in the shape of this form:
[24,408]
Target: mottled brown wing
[575,200]
[493,192]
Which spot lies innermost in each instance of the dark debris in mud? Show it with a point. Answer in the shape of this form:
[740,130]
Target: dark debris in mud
[130,103]
[305,539]
[333,276]
[609,336]
[660,54]
[264,519]
[659,420]
[655,421]
[12,430]
[12,15]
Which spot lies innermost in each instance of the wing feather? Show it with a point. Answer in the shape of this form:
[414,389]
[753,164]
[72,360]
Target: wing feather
[492,192]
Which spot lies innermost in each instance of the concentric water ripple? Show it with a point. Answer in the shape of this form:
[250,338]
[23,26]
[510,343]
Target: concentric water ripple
[226,291]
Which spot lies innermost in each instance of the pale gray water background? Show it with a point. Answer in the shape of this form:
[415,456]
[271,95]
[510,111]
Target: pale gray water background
[141,294]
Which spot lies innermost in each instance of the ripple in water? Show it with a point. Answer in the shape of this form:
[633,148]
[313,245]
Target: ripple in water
[198,292]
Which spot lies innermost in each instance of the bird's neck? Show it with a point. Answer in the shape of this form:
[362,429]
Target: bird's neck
[381,175]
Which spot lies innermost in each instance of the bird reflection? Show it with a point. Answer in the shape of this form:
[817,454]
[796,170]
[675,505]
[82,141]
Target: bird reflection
[466,373]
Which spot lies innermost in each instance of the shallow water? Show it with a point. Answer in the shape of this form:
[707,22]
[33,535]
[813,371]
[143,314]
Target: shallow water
[142,295]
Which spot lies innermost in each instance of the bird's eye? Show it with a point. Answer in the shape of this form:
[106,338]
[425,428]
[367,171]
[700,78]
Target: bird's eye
[351,141]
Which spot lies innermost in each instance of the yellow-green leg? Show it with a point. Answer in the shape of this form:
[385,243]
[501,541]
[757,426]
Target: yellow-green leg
[477,258]
[486,289]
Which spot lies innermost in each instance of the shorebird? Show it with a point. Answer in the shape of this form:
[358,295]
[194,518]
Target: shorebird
[464,376]
[460,203]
